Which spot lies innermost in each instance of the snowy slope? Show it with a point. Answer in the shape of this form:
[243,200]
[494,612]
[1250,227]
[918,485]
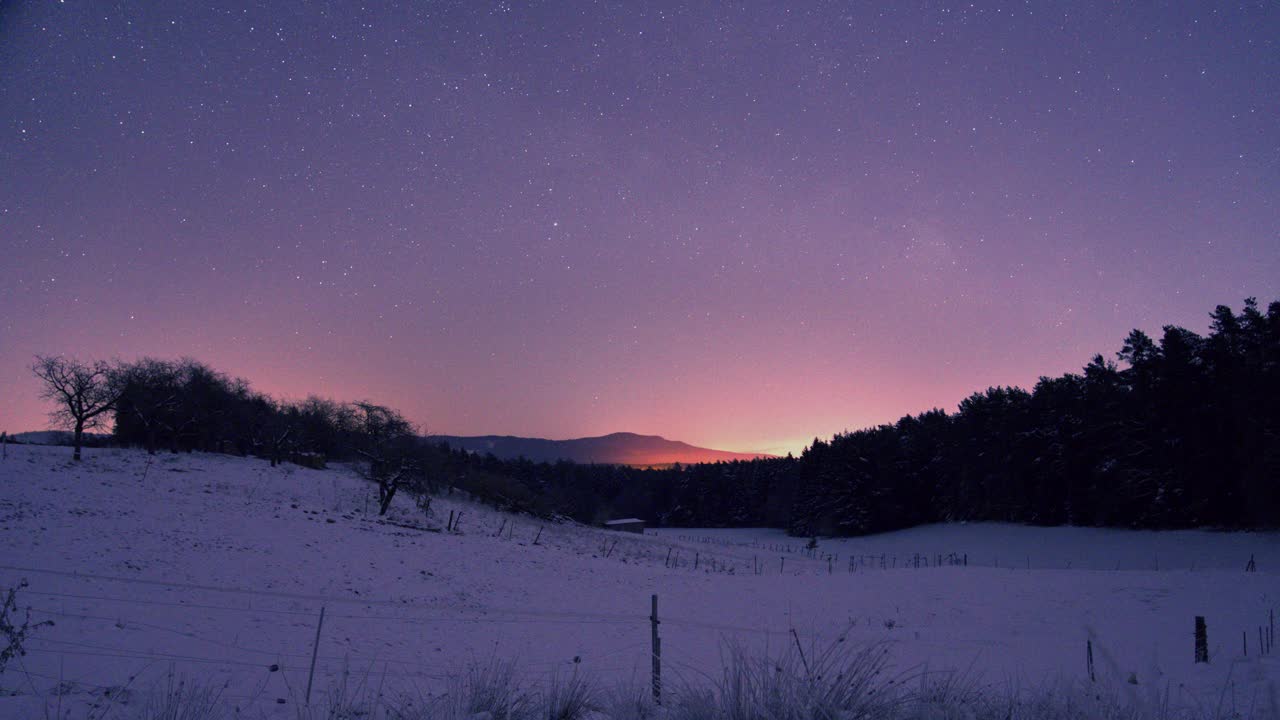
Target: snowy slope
[220,566]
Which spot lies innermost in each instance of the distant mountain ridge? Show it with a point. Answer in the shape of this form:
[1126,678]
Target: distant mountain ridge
[621,448]
[55,437]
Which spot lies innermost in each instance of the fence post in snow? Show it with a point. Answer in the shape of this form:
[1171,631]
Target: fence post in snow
[1202,641]
[315,647]
[657,653]
[1089,660]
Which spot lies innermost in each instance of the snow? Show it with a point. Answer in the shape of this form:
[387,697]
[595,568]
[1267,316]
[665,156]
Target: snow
[1019,546]
[219,566]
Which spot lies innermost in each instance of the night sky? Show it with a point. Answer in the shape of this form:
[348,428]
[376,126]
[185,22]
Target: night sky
[739,226]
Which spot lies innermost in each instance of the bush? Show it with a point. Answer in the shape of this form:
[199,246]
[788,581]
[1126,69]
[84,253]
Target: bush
[13,634]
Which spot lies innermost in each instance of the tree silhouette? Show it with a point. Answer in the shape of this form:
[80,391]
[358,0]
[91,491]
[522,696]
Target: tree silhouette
[82,392]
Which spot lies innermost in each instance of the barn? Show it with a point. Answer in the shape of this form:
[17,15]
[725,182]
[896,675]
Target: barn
[632,525]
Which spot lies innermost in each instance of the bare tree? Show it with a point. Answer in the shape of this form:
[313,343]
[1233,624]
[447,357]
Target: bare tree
[388,441]
[277,431]
[83,393]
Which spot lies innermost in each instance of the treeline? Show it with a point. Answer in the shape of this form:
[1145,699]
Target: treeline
[185,405]
[1185,434]
[755,493]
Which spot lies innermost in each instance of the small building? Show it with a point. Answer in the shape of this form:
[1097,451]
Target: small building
[631,525]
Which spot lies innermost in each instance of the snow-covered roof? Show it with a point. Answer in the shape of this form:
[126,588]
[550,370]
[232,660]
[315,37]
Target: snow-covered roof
[624,521]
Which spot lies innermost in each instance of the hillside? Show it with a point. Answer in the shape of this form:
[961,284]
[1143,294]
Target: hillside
[621,448]
[219,568]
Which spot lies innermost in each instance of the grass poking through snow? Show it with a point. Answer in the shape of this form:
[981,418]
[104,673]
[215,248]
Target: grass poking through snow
[843,681]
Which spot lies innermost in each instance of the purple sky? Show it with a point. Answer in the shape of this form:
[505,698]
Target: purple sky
[741,227]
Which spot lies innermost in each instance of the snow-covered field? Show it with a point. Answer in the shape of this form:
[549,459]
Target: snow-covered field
[219,567]
[1019,547]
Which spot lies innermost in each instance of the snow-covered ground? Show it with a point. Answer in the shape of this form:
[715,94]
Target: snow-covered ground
[219,567]
[1017,546]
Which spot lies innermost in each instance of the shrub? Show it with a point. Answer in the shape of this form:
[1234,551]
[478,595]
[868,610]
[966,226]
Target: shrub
[12,633]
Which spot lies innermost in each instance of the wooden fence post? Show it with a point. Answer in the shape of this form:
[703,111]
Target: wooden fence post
[1202,641]
[315,648]
[657,653]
